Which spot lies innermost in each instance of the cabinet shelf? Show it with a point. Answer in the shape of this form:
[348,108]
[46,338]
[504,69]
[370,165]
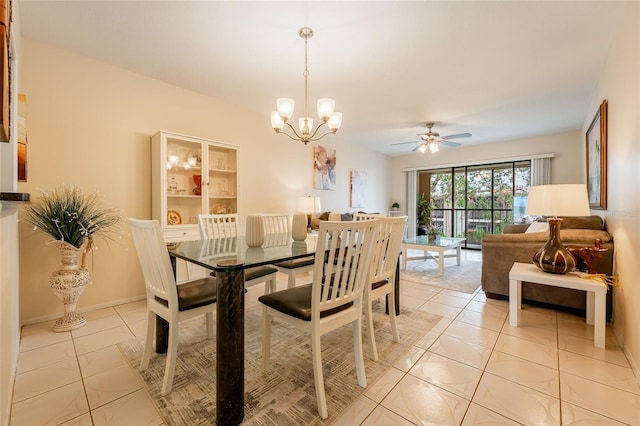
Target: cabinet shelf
[222,171]
[183,196]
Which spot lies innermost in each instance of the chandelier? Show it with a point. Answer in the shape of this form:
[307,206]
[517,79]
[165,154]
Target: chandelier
[285,106]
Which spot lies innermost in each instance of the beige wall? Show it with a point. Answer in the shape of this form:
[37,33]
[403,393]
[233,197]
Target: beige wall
[620,85]
[90,124]
[566,166]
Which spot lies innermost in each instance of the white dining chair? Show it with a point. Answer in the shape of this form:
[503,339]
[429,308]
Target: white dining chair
[332,300]
[213,226]
[382,275]
[280,223]
[174,303]
[367,216]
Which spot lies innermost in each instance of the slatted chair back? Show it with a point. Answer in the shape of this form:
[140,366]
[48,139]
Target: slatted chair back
[276,223]
[155,263]
[350,244]
[367,216]
[218,225]
[385,258]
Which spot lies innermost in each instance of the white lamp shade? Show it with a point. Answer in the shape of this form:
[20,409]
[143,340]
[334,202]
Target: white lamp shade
[325,108]
[276,120]
[285,107]
[433,147]
[558,200]
[422,148]
[302,126]
[335,121]
[309,205]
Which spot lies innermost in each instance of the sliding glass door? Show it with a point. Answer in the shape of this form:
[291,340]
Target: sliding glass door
[471,201]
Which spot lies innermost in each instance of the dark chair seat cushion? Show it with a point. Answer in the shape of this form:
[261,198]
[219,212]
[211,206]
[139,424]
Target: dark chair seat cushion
[296,263]
[194,294]
[296,302]
[379,284]
[257,272]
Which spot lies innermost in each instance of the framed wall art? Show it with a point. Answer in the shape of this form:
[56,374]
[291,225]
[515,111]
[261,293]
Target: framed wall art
[597,159]
[324,168]
[358,188]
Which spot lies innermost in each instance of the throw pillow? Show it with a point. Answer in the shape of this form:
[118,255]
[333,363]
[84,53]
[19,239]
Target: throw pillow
[537,227]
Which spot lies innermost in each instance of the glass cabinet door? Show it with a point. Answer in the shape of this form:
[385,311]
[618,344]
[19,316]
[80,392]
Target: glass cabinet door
[222,180]
[183,182]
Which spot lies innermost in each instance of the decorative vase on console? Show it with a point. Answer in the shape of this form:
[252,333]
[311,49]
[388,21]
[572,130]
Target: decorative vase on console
[73,219]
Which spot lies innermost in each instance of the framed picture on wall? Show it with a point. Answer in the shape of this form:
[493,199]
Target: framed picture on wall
[358,188]
[597,159]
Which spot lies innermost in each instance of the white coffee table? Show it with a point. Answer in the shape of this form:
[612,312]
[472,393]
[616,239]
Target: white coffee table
[596,294]
[439,246]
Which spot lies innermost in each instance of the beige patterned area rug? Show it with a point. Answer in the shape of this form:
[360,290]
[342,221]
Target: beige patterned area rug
[464,278]
[286,394]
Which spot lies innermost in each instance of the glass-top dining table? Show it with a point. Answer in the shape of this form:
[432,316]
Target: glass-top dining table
[229,257]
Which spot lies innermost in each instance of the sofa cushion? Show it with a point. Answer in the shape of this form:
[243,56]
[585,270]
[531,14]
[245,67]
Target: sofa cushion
[346,217]
[537,227]
[582,222]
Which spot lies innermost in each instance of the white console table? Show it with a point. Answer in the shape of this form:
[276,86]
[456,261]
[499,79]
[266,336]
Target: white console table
[596,294]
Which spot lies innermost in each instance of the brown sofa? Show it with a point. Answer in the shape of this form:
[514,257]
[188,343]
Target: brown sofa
[500,251]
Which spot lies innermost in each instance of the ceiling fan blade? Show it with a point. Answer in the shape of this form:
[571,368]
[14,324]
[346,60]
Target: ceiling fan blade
[403,143]
[457,136]
[451,144]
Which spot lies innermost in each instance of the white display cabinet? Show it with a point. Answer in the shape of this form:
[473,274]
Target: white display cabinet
[191,175]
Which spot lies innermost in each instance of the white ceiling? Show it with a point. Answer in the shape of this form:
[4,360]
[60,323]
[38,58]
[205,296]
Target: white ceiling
[500,70]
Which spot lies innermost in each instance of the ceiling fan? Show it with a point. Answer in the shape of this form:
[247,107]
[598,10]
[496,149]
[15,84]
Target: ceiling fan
[432,140]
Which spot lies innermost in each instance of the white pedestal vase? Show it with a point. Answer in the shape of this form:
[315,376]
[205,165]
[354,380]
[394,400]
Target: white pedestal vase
[68,284]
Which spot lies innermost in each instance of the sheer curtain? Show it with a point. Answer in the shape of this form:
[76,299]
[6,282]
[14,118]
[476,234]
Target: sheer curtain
[540,171]
[412,195]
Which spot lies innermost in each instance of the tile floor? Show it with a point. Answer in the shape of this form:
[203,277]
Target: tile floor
[471,368]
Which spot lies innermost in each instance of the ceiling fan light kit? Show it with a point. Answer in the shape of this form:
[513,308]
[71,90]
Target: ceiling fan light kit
[431,141]
[325,106]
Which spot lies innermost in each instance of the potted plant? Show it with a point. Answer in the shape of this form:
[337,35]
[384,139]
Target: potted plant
[423,213]
[395,206]
[73,219]
[432,231]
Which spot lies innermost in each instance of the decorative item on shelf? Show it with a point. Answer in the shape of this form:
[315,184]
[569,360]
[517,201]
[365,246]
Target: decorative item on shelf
[285,107]
[172,186]
[556,200]
[173,217]
[194,159]
[73,219]
[221,208]
[395,206]
[254,233]
[197,179]
[309,205]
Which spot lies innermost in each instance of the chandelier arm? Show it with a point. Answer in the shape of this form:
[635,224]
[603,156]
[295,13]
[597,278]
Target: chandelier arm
[293,129]
[316,131]
[313,139]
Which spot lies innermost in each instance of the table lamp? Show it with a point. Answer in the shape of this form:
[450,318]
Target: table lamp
[309,205]
[556,200]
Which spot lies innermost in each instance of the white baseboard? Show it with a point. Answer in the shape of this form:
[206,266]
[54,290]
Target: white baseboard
[85,309]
